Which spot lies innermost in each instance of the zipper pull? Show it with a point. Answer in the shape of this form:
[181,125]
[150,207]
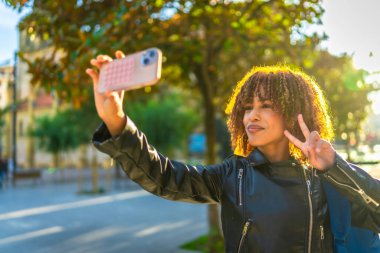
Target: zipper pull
[322,233]
[240,185]
[309,187]
[246,226]
[240,176]
[244,233]
[367,198]
[313,174]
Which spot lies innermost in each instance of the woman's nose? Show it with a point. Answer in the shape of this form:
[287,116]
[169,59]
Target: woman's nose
[254,114]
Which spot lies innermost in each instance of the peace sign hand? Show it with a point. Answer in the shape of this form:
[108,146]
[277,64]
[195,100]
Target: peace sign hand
[320,152]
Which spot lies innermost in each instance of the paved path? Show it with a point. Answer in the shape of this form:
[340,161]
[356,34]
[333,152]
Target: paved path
[45,217]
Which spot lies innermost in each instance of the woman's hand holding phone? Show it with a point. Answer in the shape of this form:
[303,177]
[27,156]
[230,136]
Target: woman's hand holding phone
[109,105]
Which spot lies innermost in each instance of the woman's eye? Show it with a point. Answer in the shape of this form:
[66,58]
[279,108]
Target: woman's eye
[247,108]
[267,106]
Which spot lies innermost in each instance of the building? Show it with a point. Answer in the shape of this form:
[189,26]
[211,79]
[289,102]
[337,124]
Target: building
[6,80]
[34,102]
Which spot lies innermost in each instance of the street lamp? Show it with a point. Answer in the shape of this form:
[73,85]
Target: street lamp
[14,120]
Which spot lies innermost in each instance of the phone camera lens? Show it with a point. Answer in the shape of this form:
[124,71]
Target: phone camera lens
[152,54]
[146,61]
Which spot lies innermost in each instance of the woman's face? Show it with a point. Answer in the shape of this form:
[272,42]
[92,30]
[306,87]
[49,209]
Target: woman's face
[265,127]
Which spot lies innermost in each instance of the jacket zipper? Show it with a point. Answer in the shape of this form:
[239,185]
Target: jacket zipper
[310,212]
[359,190]
[240,185]
[322,238]
[322,233]
[244,234]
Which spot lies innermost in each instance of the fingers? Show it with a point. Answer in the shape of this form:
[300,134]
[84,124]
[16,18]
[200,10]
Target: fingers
[293,139]
[303,126]
[312,143]
[103,58]
[94,76]
[100,61]
[323,145]
[121,95]
[119,54]
[95,63]
[313,139]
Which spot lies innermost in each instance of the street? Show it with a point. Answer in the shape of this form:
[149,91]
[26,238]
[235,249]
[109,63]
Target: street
[53,218]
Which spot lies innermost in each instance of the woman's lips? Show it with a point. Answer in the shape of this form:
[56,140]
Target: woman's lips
[254,128]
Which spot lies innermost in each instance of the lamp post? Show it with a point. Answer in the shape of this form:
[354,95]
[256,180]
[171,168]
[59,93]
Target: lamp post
[14,120]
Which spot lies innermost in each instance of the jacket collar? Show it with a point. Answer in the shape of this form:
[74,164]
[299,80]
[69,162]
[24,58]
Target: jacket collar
[257,158]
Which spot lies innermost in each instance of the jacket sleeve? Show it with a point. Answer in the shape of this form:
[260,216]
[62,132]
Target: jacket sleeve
[156,173]
[361,189]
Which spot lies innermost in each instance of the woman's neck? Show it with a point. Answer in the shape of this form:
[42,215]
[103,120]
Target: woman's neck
[276,154]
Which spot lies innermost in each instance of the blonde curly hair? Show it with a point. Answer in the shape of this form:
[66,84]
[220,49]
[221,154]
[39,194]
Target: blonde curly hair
[292,92]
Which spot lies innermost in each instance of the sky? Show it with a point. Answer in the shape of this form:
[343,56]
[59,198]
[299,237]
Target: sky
[353,27]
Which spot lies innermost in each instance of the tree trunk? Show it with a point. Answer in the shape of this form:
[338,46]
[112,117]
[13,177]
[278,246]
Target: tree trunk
[205,86]
[56,163]
[213,212]
[82,166]
[95,174]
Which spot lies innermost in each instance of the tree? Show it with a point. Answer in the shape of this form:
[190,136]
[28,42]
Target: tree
[57,134]
[346,88]
[349,101]
[165,120]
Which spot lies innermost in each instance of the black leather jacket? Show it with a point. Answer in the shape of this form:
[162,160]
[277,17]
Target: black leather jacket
[266,207]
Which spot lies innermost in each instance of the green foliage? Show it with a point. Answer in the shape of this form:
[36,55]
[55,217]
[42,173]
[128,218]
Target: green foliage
[346,90]
[348,118]
[200,244]
[7,109]
[165,120]
[15,3]
[205,38]
[60,132]
[4,111]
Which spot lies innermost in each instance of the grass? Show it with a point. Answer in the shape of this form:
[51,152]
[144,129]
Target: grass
[200,244]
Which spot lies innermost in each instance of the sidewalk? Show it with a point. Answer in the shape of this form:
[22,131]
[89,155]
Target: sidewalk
[108,179]
[50,216]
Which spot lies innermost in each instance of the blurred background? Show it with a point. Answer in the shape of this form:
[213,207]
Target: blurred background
[58,194]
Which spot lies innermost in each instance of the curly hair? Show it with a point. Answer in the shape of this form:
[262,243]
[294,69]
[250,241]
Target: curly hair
[292,92]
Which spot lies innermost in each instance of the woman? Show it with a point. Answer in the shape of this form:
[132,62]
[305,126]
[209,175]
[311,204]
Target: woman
[270,191]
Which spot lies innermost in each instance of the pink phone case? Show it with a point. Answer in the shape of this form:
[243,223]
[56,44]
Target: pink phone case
[132,72]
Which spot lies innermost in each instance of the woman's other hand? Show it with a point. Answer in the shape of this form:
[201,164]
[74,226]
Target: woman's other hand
[109,105]
[320,152]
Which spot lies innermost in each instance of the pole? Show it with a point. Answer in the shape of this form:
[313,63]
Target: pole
[14,119]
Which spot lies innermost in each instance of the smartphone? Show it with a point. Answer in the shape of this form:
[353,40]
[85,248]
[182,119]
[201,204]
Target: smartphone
[131,72]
